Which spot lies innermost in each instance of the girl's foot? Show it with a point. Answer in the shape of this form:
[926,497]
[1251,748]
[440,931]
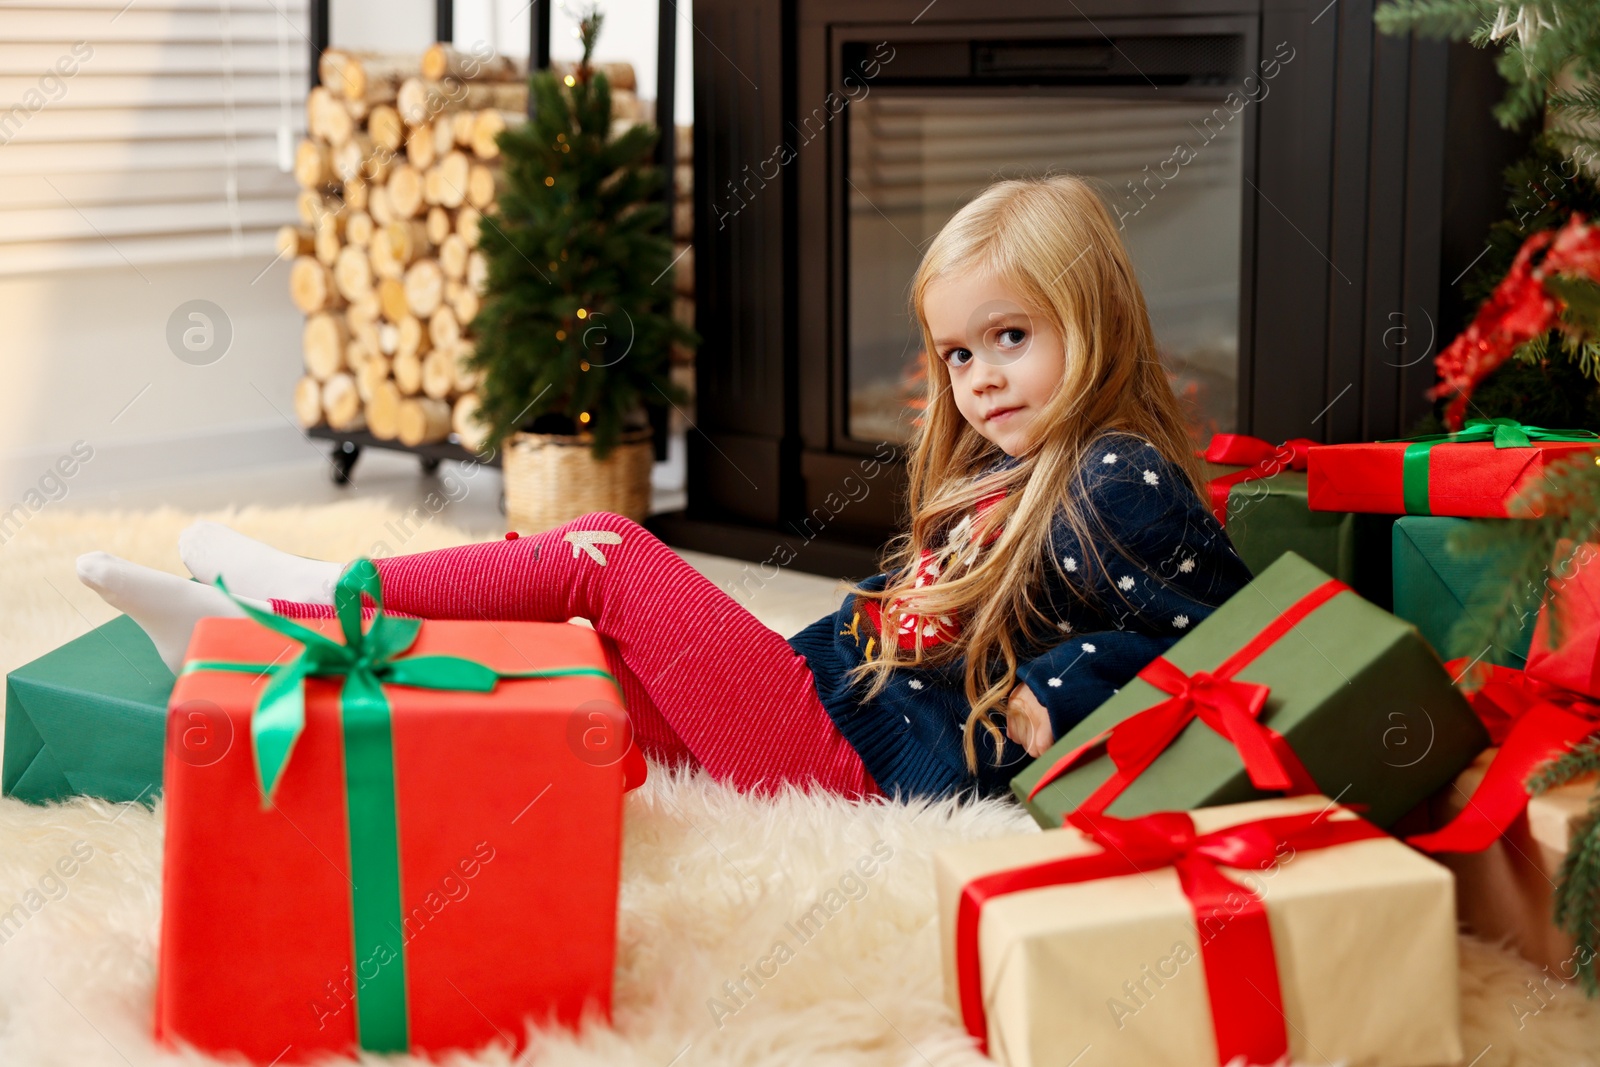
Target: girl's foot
[253,569]
[164,605]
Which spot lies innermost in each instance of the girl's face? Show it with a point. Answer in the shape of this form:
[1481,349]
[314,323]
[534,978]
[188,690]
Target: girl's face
[1005,360]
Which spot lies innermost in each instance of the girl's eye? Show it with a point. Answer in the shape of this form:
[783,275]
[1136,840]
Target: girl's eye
[958,357]
[1012,336]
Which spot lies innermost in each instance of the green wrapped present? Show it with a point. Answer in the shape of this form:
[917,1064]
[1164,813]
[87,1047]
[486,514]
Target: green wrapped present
[89,719]
[1436,587]
[1266,517]
[1298,685]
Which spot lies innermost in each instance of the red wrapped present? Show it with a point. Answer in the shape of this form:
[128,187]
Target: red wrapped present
[404,840]
[1508,847]
[1472,473]
[1533,715]
[1532,722]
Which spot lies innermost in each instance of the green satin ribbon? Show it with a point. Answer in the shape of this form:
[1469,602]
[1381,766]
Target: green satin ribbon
[1504,432]
[368,661]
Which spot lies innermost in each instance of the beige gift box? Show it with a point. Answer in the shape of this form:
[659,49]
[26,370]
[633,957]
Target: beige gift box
[1108,973]
[1507,892]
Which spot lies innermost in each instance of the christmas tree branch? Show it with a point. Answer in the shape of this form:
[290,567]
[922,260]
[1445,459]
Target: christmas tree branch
[1544,42]
[1581,759]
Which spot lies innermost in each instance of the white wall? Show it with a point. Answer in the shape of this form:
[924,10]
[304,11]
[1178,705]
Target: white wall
[78,347]
[87,359]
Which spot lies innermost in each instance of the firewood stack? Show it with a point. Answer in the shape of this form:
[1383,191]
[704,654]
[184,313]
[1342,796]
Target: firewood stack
[682,369]
[398,172]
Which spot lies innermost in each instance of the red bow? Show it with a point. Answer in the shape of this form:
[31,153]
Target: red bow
[1232,708]
[1235,937]
[1261,458]
[1532,721]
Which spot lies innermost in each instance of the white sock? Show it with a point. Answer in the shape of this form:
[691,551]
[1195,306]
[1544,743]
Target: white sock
[253,569]
[164,605]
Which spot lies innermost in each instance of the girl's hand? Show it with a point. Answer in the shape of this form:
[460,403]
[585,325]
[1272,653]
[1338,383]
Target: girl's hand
[1027,721]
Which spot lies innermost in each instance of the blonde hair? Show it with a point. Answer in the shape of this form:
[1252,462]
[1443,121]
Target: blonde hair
[1053,243]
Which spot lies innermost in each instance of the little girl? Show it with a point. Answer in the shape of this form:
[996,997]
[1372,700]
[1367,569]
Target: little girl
[1058,542]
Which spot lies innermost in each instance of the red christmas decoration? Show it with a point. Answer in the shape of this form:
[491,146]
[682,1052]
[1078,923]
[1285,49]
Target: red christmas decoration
[1519,309]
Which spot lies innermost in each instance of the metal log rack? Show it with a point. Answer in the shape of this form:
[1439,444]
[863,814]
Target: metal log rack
[348,444]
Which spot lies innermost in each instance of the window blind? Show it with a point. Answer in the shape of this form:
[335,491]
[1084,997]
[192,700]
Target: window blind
[156,131]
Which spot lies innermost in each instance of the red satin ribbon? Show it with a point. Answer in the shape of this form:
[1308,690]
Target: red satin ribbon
[1261,458]
[1235,939]
[634,769]
[1532,721]
[1232,708]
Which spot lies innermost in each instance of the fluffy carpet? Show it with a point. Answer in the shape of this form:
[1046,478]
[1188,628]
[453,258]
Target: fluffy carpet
[710,878]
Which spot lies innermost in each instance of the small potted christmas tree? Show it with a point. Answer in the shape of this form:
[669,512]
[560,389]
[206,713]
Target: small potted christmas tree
[576,328]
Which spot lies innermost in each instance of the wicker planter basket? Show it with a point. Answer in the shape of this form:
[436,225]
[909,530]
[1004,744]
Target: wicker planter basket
[553,478]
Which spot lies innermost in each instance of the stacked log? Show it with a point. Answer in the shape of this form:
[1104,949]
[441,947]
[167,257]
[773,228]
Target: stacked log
[682,366]
[398,170]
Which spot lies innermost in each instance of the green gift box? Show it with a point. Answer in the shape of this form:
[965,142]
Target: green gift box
[1267,517]
[1437,585]
[1295,660]
[89,719]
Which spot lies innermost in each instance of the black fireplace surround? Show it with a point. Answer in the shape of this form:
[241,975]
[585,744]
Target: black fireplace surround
[1370,173]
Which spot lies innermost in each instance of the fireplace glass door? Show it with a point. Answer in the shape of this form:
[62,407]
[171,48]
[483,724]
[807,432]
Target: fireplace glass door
[1170,170]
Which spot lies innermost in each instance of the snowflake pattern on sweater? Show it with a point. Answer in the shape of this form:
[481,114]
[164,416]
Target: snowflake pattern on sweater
[1165,564]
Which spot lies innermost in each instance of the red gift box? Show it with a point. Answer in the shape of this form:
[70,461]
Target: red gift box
[505,814]
[1510,850]
[1471,479]
[1534,715]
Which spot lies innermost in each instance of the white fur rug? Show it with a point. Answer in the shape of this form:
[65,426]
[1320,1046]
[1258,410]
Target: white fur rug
[709,880]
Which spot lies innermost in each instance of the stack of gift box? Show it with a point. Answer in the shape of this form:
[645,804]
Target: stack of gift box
[1260,847]
[1264,844]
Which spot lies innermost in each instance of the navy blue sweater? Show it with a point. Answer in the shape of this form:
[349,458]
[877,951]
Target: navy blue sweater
[1174,566]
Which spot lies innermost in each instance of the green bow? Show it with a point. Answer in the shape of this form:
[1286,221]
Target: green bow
[368,661]
[1504,432]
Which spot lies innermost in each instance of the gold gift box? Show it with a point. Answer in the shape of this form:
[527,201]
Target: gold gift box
[1108,973]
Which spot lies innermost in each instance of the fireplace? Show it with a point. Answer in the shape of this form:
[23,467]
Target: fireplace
[1278,174]
[931,130]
